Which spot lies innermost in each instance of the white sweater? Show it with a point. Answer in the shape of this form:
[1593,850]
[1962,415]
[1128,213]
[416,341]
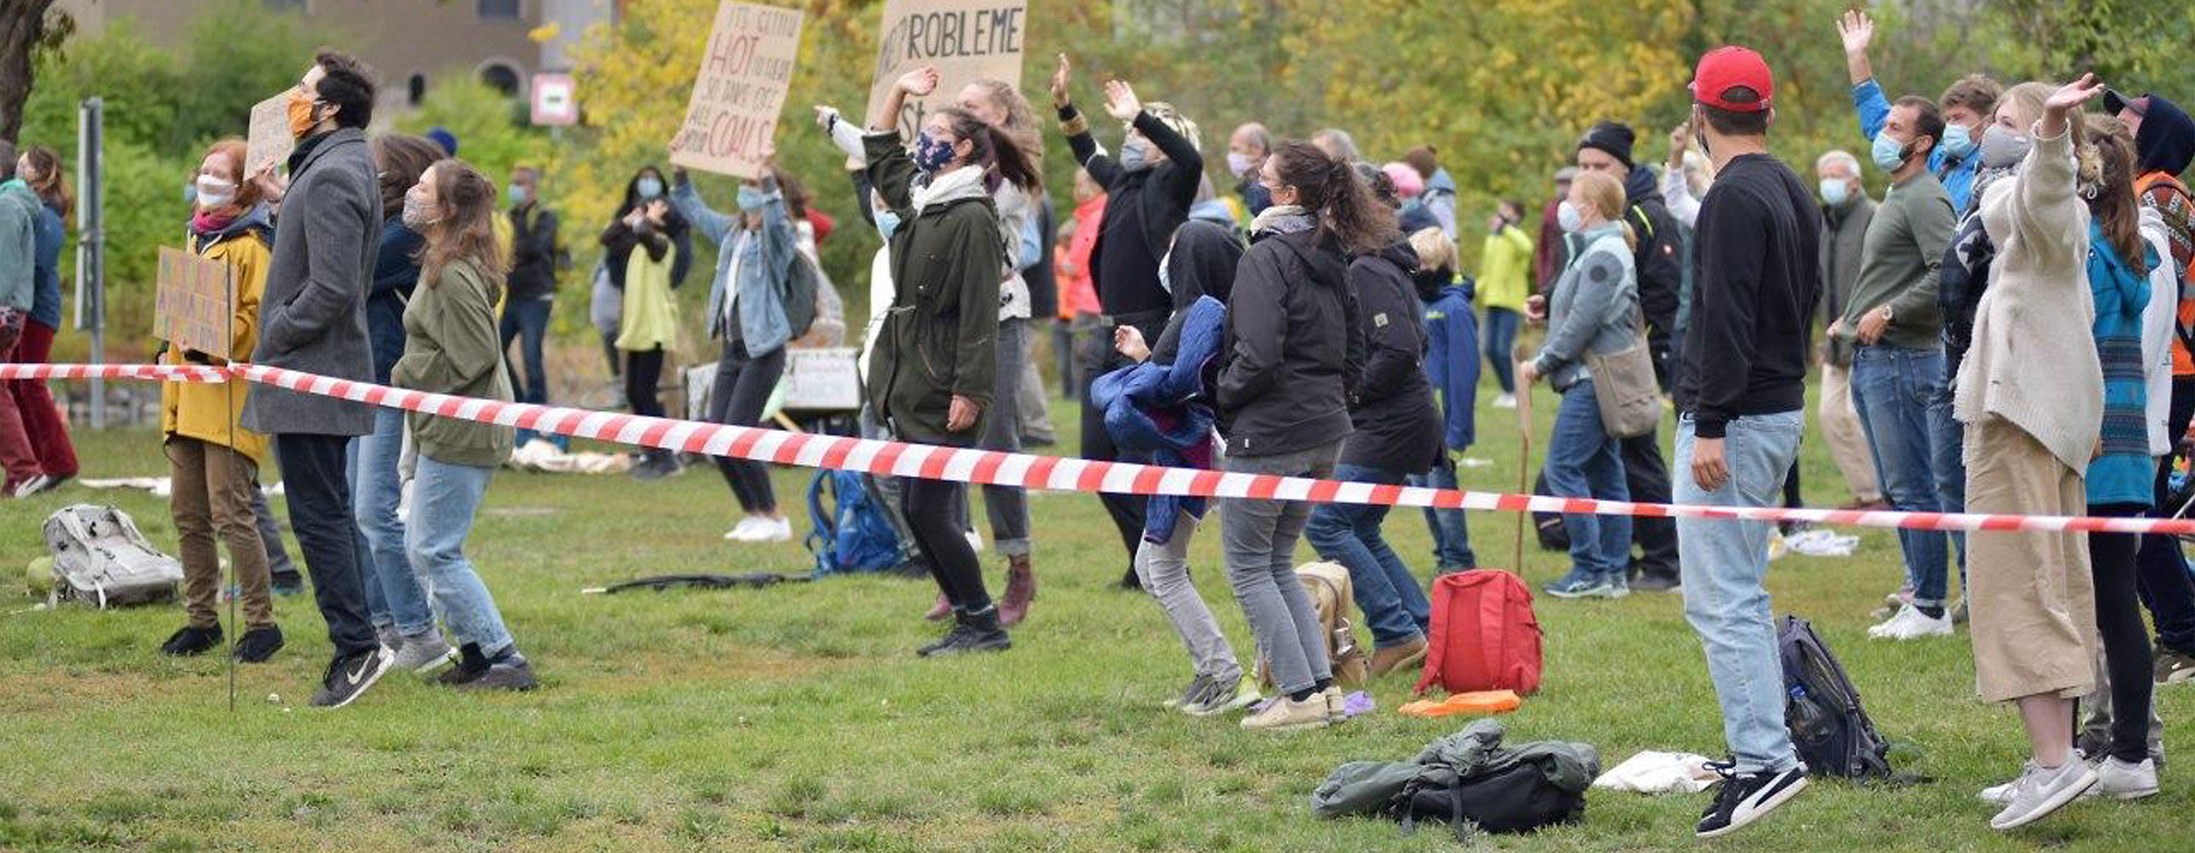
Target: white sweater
[2033,360]
[2159,321]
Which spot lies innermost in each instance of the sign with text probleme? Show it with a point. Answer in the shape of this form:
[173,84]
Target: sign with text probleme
[967,40]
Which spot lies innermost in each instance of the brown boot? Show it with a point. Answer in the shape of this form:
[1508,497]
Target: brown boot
[939,611]
[1396,658]
[1021,588]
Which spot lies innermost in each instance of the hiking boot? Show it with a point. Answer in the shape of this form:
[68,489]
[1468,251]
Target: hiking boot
[1199,689]
[1225,696]
[2043,790]
[1021,588]
[1741,799]
[2174,666]
[471,665]
[977,632]
[422,652]
[191,641]
[512,674]
[1911,624]
[1288,715]
[2119,780]
[348,677]
[1394,658]
[258,644]
[940,610]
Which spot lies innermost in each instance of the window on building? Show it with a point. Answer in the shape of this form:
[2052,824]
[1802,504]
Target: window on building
[503,77]
[415,89]
[498,9]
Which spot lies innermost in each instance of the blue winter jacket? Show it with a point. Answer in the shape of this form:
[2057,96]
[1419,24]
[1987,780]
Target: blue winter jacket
[45,306]
[1452,361]
[1166,410]
[395,273]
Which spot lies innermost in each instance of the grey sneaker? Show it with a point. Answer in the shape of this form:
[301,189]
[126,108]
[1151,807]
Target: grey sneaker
[1198,690]
[423,653]
[2041,791]
[1225,696]
[513,675]
[2001,795]
[2119,780]
[2174,667]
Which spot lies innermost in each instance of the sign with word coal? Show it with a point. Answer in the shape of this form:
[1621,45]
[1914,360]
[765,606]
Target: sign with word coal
[745,73]
[967,40]
[193,305]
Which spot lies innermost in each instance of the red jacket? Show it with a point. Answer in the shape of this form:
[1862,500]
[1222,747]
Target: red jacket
[1077,291]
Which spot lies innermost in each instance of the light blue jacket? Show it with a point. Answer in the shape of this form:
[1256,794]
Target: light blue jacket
[1957,176]
[1594,307]
[19,213]
[764,272]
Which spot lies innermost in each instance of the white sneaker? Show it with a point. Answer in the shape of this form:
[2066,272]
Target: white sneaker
[2119,780]
[1505,401]
[2000,795]
[770,530]
[975,541]
[1911,624]
[744,531]
[2041,791]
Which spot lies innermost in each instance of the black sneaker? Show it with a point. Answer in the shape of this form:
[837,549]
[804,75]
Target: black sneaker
[975,633]
[1741,799]
[513,674]
[1656,583]
[191,641]
[349,676]
[290,583]
[471,665]
[258,644]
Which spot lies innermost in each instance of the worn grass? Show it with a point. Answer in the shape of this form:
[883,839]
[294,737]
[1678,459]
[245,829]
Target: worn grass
[796,718]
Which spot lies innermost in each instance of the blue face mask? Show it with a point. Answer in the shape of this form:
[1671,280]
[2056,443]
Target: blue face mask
[1835,191]
[931,154]
[752,198]
[648,187]
[518,195]
[1134,154]
[887,222]
[1957,141]
[1888,153]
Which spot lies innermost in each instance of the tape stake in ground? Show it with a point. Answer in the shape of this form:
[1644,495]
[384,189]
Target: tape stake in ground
[987,467]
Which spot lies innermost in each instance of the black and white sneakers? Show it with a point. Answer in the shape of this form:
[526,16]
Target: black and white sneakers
[1742,798]
[350,675]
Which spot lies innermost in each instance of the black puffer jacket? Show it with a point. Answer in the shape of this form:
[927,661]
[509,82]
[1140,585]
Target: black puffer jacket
[1397,427]
[1294,347]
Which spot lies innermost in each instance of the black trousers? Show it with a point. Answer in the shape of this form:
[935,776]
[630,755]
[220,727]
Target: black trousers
[2161,576]
[1127,511]
[2126,642]
[317,484]
[643,372]
[931,509]
[741,389]
[1647,476]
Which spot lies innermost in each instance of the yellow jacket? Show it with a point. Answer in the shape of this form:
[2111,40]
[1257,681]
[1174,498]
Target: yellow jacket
[1505,267]
[209,411]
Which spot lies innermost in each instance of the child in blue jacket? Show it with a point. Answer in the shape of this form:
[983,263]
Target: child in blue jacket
[1452,364]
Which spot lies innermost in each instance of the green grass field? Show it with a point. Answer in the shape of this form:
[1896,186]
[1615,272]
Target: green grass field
[797,718]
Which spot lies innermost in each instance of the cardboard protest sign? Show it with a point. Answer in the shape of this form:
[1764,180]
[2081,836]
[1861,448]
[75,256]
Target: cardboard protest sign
[745,73]
[192,305]
[967,40]
[270,140]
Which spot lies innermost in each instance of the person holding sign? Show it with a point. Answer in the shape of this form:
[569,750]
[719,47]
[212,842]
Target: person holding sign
[936,358]
[754,269]
[212,461]
[1152,184]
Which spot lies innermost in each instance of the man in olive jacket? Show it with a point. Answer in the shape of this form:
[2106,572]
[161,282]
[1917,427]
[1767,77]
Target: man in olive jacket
[313,319]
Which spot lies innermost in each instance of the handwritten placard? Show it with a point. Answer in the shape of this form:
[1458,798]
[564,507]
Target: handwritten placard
[192,302]
[967,40]
[270,140]
[745,73]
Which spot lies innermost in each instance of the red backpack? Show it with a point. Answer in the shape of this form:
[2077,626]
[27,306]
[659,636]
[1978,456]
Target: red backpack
[1484,635]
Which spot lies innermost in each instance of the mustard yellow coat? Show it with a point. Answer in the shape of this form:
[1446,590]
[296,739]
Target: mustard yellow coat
[209,411]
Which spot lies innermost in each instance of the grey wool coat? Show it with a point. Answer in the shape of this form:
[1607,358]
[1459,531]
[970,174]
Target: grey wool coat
[313,316]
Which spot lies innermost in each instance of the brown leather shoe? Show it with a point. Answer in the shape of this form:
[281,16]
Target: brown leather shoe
[1021,588]
[1395,658]
[940,610]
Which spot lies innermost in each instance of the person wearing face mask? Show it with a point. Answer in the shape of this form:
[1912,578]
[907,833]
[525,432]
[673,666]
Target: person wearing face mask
[1967,106]
[43,425]
[1893,323]
[212,461]
[1247,148]
[1594,307]
[935,367]
[1452,366]
[312,320]
[1846,213]
[641,192]
[451,346]
[532,292]
[643,253]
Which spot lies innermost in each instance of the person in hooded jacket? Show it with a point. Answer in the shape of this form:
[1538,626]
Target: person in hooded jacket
[1151,186]
[213,462]
[1452,365]
[936,361]
[1654,259]
[1440,188]
[1292,355]
[1397,435]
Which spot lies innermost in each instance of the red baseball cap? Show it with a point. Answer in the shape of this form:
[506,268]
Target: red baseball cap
[1731,67]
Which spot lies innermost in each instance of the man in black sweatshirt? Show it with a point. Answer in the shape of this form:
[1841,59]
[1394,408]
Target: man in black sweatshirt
[1741,395]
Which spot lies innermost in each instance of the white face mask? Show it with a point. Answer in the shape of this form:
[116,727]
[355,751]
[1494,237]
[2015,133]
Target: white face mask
[214,192]
[1567,216]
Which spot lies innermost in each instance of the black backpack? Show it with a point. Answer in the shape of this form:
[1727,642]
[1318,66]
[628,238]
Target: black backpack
[1518,799]
[1832,733]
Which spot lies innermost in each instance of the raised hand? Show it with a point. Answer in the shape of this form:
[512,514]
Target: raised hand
[1680,138]
[1857,30]
[826,115]
[1120,100]
[919,82]
[2067,100]
[1059,82]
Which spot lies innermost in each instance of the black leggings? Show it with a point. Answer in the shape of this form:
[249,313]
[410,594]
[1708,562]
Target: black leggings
[2126,639]
[930,515]
[743,386]
[643,371]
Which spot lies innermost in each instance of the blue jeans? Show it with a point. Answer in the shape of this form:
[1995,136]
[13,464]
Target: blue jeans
[1501,335]
[1583,462]
[1947,461]
[444,499]
[393,594]
[1394,607]
[1893,388]
[527,320]
[1451,533]
[1724,565]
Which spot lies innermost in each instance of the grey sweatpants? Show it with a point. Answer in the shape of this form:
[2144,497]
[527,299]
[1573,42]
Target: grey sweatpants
[1258,540]
[1164,571]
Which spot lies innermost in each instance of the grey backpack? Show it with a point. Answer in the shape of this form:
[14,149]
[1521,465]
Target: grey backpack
[99,557]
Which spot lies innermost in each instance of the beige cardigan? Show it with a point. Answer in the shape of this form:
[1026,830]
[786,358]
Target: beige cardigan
[2033,361]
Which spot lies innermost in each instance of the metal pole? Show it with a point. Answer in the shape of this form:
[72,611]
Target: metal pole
[91,272]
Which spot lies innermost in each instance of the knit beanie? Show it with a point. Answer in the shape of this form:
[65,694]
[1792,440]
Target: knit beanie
[1611,137]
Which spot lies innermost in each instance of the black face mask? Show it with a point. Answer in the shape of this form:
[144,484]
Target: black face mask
[1431,282]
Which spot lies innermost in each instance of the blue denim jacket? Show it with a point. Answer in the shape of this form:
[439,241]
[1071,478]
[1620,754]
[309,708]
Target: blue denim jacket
[764,272]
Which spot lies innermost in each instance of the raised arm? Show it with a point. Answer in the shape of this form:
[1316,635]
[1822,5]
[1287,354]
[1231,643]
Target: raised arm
[1856,30]
[2046,214]
[1093,159]
[1121,102]
[687,201]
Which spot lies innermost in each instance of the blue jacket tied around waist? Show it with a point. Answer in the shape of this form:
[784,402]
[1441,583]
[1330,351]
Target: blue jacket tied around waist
[1165,410]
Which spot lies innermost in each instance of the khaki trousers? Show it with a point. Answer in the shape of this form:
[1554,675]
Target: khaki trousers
[1847,443]
[214,485]
[2033,600]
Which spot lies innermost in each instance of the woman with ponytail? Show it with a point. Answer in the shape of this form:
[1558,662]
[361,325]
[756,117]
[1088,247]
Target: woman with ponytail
[1290,359]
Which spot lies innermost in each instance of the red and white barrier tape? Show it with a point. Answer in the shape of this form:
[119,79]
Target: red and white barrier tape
[901,459]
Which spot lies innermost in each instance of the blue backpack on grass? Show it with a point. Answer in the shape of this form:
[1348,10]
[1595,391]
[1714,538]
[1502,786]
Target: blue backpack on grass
[854,535]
